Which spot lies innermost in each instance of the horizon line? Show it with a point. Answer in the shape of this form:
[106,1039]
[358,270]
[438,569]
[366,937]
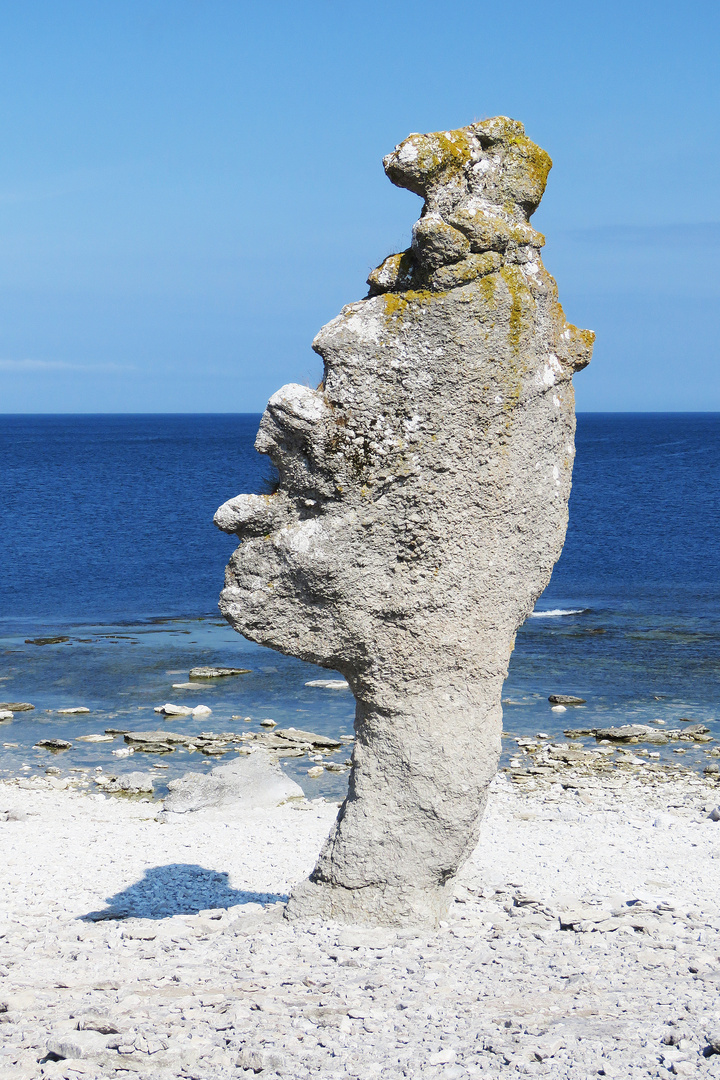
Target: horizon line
[578,412]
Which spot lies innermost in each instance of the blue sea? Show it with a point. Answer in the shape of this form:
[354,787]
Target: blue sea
[106,540]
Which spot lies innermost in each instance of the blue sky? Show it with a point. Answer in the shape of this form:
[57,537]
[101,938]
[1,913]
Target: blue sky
[189,190]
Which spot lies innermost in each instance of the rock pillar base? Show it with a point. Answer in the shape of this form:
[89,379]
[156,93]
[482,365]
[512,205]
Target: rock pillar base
[371,905]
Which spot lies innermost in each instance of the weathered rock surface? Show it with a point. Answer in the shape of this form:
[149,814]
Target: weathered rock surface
[422,503]
[253,782]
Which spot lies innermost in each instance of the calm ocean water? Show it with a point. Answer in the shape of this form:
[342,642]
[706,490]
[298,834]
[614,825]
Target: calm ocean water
[107,539]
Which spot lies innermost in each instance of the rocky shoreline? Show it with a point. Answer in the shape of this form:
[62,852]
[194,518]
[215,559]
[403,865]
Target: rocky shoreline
[583,942]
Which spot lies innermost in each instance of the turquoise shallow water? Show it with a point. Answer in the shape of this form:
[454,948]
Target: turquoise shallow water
[122,672]
[107,539]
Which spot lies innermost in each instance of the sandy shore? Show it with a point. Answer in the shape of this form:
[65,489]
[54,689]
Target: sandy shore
[583,943]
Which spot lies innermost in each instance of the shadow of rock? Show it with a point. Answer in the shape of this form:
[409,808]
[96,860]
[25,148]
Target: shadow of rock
[177,889]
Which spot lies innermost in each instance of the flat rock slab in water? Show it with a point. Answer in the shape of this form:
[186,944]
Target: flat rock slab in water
[46,640]
[298,736]
[631,733]
[73,712]
[216,672]
[16,706]
[643,733]
[142,738]
[53,744]
[329,684]
[566,699]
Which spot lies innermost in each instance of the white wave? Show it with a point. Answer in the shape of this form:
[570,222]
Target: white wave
[555,613]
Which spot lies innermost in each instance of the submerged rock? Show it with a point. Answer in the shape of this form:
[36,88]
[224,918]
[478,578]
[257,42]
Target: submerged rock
[58,640]
[53,744]
[421,505]
[216,672]
[566,699]
[250,783]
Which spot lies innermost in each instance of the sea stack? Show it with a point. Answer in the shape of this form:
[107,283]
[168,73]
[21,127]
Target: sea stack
[421,506]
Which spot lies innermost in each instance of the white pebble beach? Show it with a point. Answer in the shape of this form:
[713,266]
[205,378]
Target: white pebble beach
[583,942]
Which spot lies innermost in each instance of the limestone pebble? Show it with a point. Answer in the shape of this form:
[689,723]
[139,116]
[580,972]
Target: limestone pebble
[421,505]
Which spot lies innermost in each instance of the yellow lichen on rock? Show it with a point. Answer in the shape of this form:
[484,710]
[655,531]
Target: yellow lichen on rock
[480,183]
[421,504]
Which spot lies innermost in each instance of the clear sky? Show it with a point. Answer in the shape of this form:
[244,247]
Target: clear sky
[189,189]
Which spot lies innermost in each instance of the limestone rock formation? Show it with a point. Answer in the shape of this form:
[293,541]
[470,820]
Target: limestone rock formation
[421,505]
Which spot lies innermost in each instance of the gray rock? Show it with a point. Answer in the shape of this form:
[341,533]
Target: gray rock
[132,783]
[174,710]
[329,684]
[714,1041]
[216,672]
[625,733]
[297,735]
[53,744]
[77,1044]
[140,739]
[253,782]
[421,506]
[16,706]
[565,699]
[102,1024]
[695,729]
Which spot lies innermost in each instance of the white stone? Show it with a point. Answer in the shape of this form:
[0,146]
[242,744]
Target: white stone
[249,783]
